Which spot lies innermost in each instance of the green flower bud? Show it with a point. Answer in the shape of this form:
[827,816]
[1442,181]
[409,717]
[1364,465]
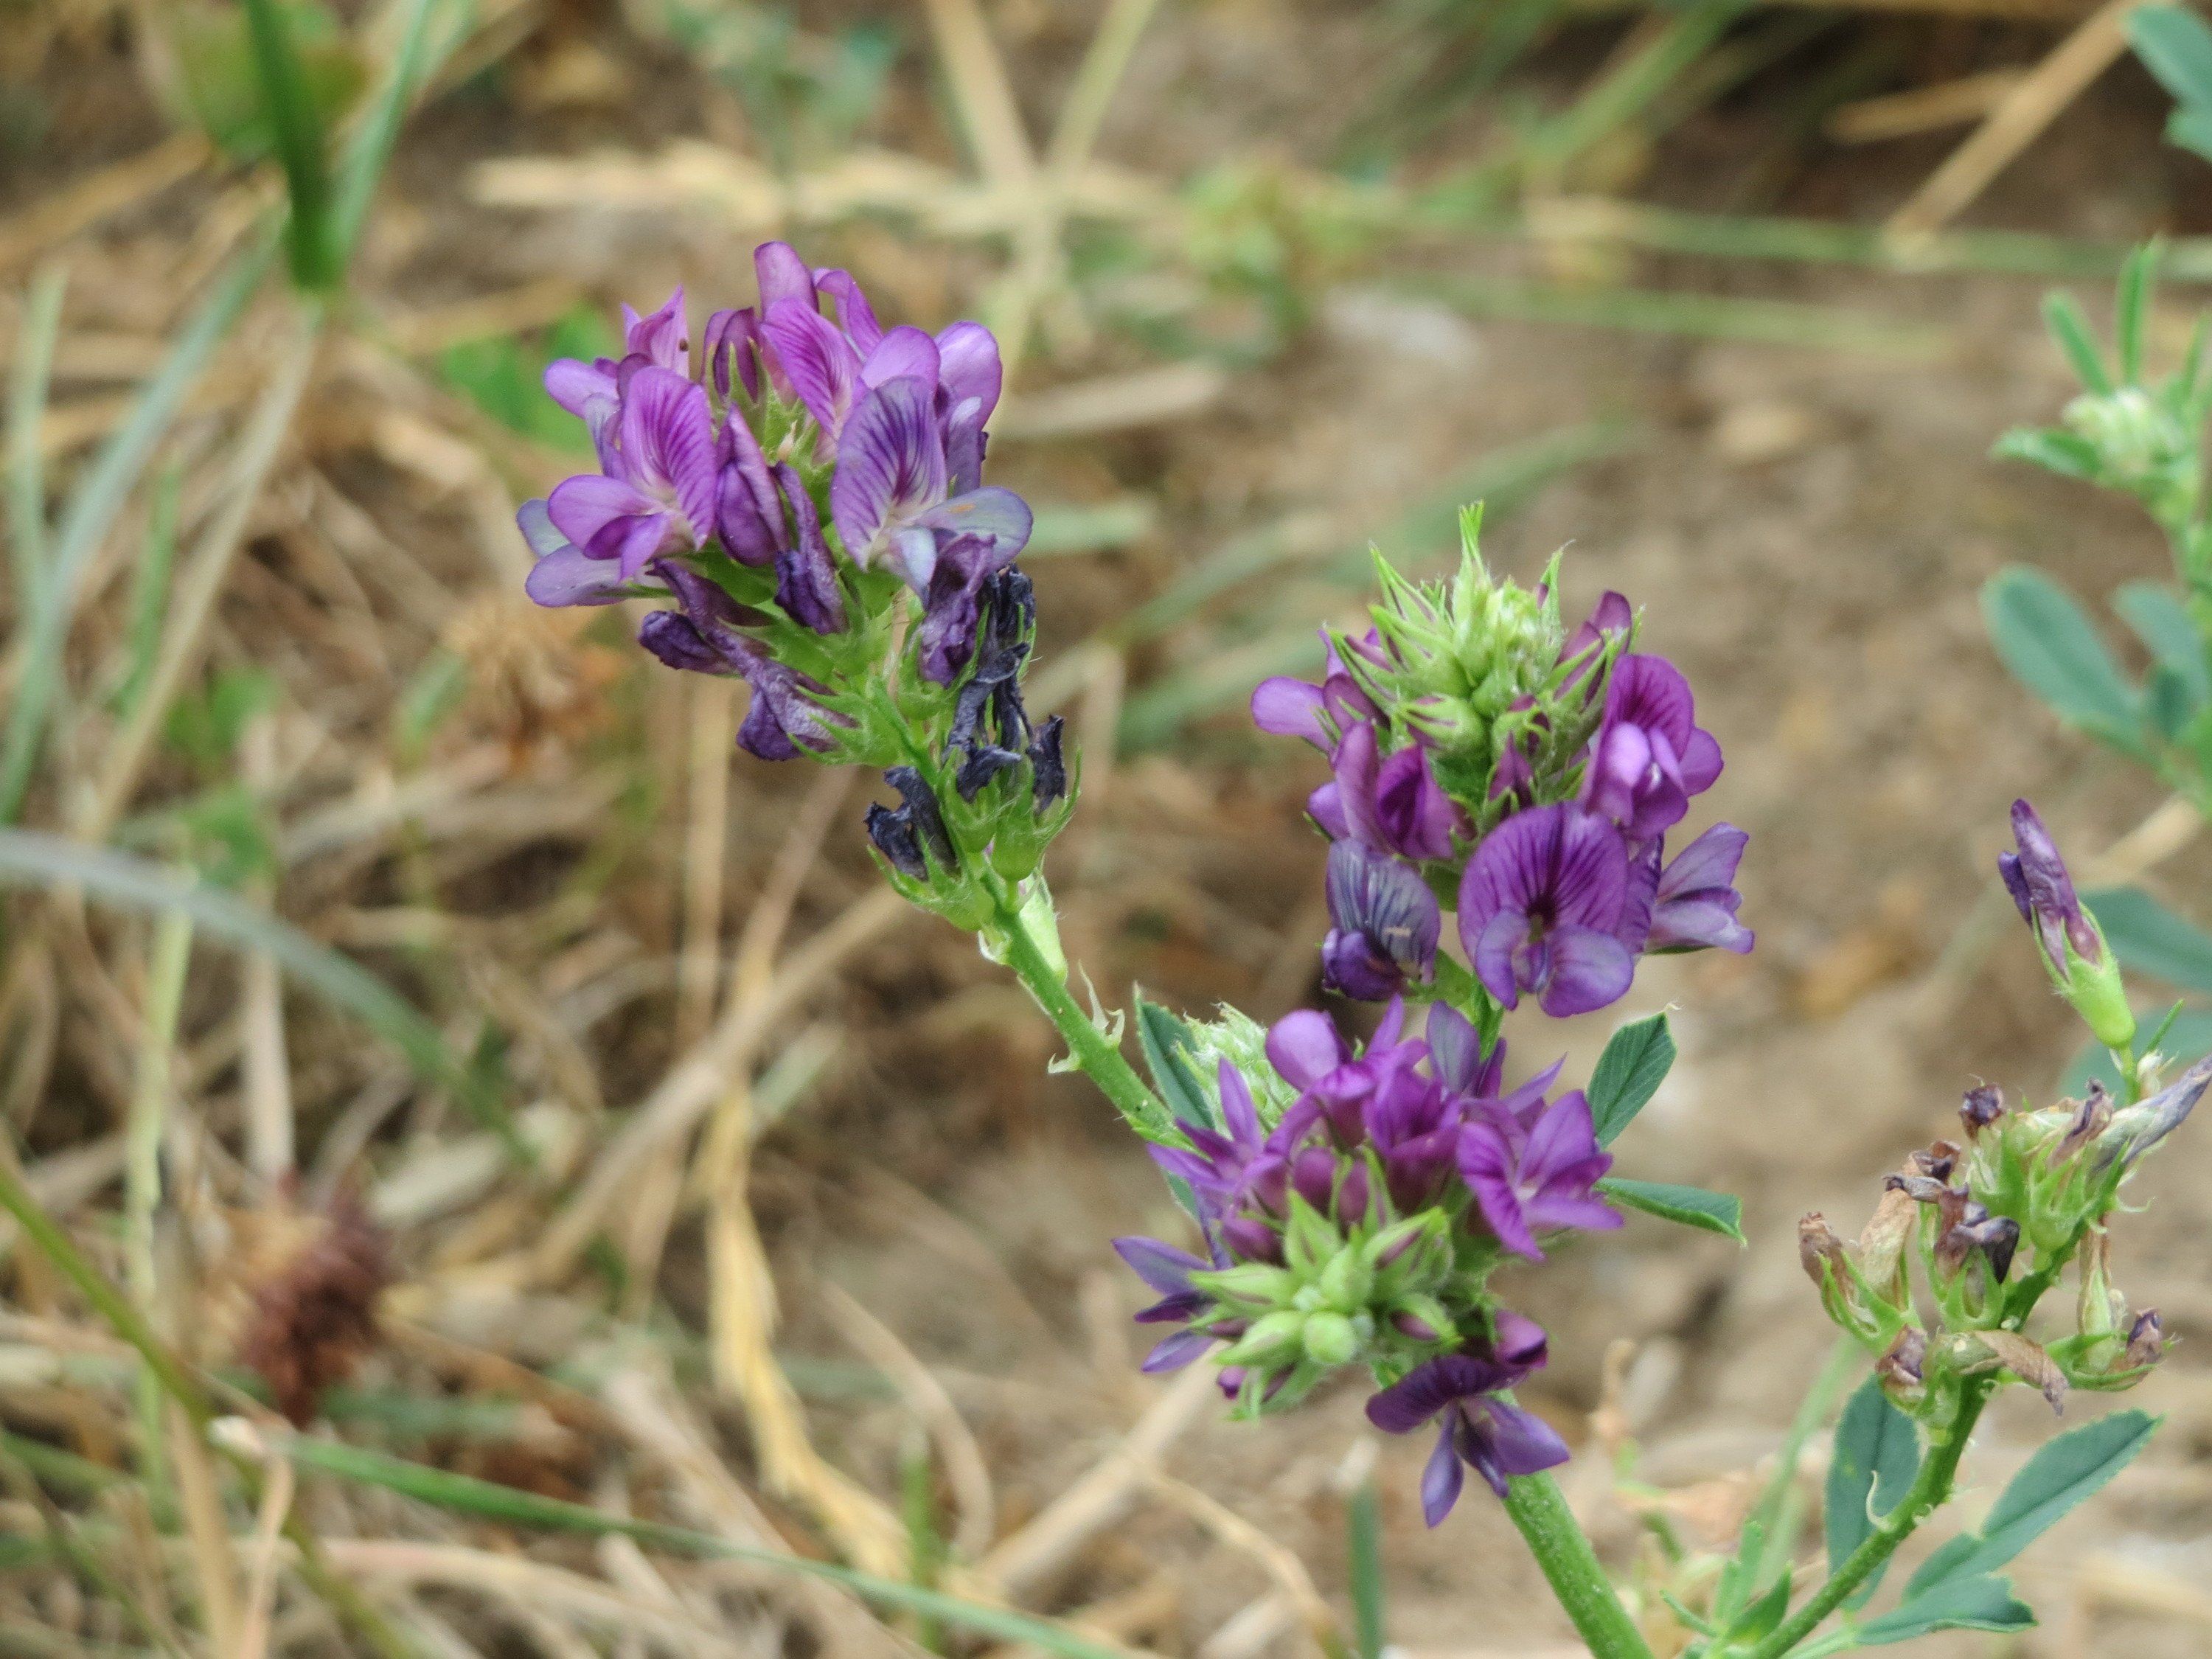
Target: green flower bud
[1330,1339]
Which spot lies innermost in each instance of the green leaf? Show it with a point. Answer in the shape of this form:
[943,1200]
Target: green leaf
[2150,939]
[2072,332]
[2168,704]
[1167,1045]
[2176,47]
[1765,1614]
[469,1496]
[1369,1585]
[30,859]
[2050,448]
[1629,1073]
[2190,128]
[1877,1453]
[2053,649]
[2155,613]
[2062,1473]
[293,100]
[1976,1603]
[2137,278]
[1692,1206]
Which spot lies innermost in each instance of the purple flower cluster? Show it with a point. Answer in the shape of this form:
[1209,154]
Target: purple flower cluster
[799,447]
[1556,898]
[1373,1144]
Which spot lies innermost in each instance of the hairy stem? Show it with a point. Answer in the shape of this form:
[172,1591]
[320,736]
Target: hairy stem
[1573,1568]
[1932,1489]
[1093,1052]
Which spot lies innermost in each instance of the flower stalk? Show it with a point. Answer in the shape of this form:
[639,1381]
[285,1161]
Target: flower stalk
[1570,1566]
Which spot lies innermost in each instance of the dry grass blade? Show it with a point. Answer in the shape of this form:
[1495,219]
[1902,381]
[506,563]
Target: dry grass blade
[689,1092]
[521,1582]
[2015,123]
[657,1423]
[203,581]
[200,1501]
[261,1563]
[81,205]
[964,1467]
[1923,109]
[742,1321]
[1290,1577]
[982,92]
[1025,1559]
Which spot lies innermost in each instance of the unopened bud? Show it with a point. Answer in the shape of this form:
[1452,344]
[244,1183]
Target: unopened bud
[1422,1318]
[1346,1281]
[2141,1126]
[1330,1339]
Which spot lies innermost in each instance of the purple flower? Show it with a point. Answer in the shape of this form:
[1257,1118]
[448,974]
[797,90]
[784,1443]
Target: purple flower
[1542,907]
[1335,1087]
[1392,803]
[2036,878]
[1696,901]
[1298,708]
[704,638]
[1168,1270]
[1384,923]
[1493,1436]
[1613,615]
[590,390]
[806,578]
[1649,756]
[1456,1055]
[1231,1172]
[660,491]
[890,497]
[564,574]
[1538,1176]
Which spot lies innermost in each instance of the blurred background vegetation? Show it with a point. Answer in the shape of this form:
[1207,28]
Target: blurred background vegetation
[365,923]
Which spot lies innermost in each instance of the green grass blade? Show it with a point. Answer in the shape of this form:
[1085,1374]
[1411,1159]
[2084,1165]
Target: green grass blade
[488,1501]
[27,860]
[297,126]
[150,588]
[1364,1525]
[369,147]
[27,406]
[92,511]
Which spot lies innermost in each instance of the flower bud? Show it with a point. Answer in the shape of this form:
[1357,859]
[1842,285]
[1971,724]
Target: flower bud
[2074,954]
[1422,1318]
[1346,1281]
[2136,1130]
[1272,1336]
[1330,1339]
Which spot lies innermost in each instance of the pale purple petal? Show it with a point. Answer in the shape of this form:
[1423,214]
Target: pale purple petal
[1521,1442]
[1162,1266]
[729,355]
[904,350]
[568,576]
[582,506]
[854,315]
[1589,969]
[968,355]
[990,511]
[1173,1353]
[1304,1047]
[668,442]
[662,338]
[1701,762]
[1357,765]
[1290,708]
[891,466]
[782,274]
[806,578]
[578,387]
[537,529]
[824,369]
[1326,807]
[1416,817]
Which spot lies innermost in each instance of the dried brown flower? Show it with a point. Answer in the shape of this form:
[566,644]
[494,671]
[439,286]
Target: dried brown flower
[314,1318]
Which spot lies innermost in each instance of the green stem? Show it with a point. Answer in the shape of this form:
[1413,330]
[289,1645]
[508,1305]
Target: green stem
[1932,1489]
[1573,1568]
[1094,1053]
